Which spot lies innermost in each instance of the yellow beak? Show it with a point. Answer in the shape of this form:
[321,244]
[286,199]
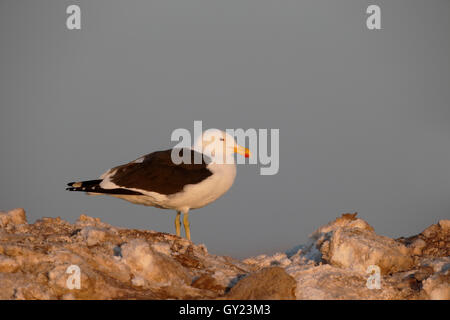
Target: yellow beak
[242,151]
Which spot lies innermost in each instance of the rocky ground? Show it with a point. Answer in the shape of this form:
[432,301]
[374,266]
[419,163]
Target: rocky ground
[116,263]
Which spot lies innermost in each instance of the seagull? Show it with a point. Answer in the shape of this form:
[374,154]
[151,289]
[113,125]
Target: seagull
[158,181]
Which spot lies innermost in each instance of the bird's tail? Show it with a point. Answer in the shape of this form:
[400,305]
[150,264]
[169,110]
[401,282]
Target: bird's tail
[85,186]
[93,186]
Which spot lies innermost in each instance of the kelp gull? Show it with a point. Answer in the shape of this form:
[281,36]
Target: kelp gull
[155,180]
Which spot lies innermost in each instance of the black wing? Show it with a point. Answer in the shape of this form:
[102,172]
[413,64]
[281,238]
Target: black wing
[158,173]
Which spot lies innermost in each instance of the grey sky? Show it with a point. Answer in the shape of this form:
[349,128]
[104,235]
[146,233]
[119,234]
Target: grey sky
[364,116]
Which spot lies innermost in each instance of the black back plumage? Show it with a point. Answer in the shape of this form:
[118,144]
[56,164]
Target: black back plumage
[156,172]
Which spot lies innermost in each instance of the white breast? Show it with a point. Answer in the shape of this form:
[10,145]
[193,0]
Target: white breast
[199,195]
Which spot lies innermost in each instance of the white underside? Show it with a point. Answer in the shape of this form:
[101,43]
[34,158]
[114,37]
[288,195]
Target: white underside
[191,197]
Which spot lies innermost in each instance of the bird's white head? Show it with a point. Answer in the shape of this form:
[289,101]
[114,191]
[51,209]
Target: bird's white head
[220,146]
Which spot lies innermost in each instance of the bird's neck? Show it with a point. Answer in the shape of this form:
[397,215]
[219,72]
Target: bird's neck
[228,169]
[223,159]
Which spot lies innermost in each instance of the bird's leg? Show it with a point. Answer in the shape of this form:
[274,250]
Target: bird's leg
[186,225]
[178,224]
